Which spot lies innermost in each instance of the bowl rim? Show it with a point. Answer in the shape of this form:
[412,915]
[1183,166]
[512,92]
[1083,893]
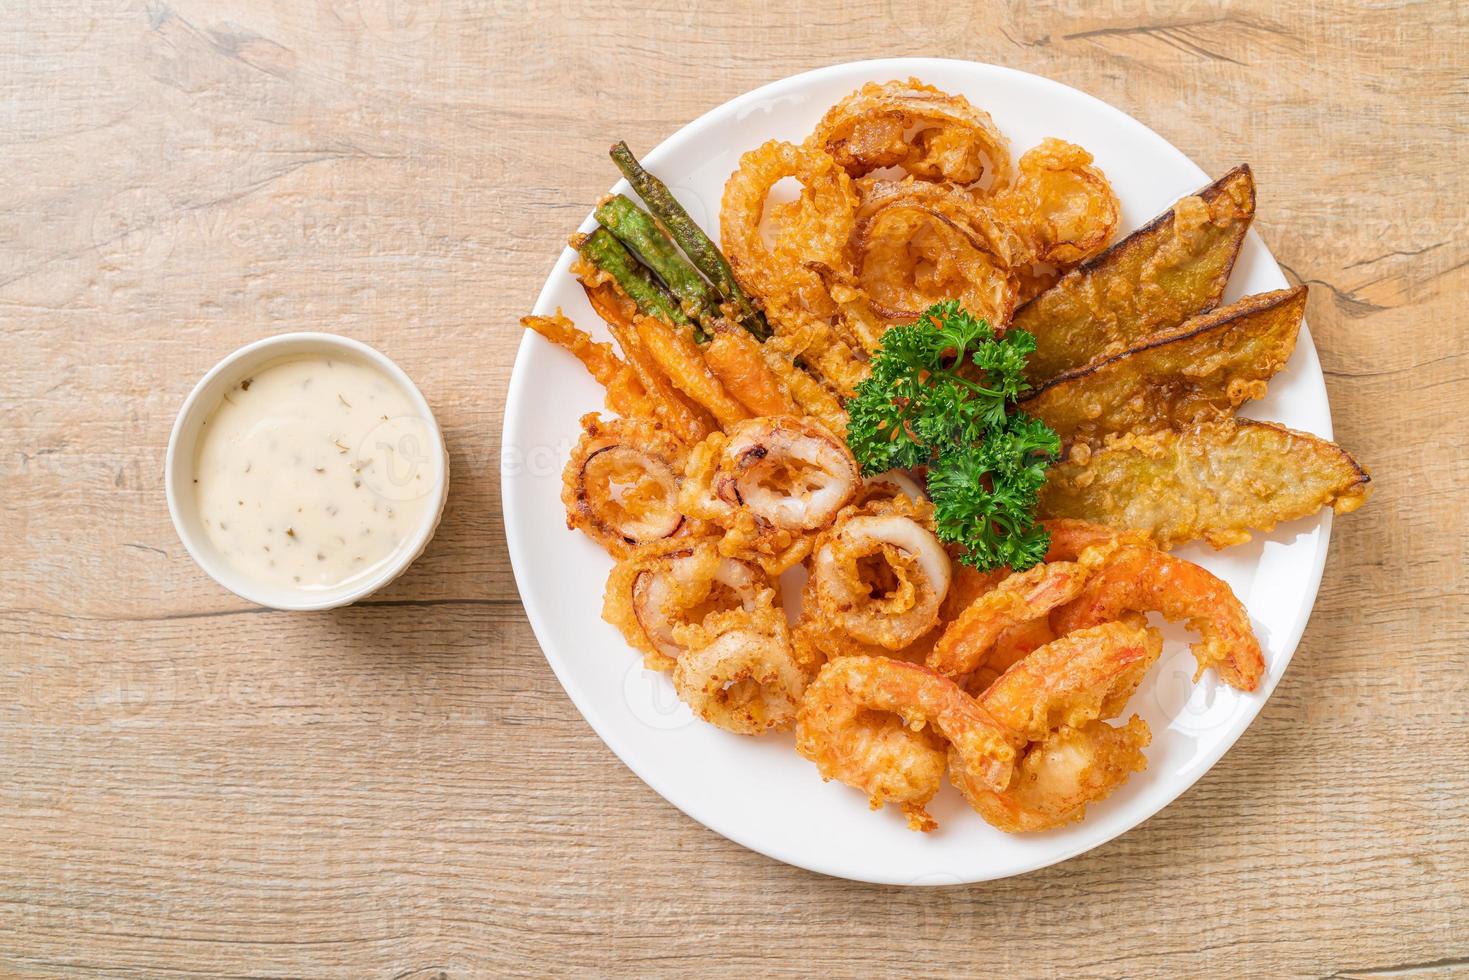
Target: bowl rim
[199,403]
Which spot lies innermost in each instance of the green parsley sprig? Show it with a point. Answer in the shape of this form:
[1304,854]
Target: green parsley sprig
[941,395]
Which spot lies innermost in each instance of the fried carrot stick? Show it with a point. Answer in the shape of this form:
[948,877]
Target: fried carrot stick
[735,358]
[680,360]
[625,393]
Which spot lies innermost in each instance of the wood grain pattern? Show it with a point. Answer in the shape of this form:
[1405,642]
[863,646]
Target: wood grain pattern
[400,789]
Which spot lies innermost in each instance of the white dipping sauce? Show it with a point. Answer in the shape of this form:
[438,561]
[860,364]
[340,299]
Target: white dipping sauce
[310,474]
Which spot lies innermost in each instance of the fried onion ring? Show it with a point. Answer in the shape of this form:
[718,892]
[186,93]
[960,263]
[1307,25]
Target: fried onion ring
[1064,206]
[915,244]
[813,228]
[930,134]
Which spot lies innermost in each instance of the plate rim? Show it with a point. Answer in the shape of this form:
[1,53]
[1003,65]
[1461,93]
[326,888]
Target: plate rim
[516,542]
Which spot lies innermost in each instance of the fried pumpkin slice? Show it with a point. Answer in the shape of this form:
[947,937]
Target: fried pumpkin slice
[1216,480]
[1160,275]
[1204,368]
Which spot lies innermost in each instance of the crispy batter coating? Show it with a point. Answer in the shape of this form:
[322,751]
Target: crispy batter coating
[676,582]
[1059,777]
[1021,598]
[1062,204]
[1155,278]
[738,671]
[1088,674]
[1217,481]
[1052,703]
[681,361]
[1204,368]
[737,361]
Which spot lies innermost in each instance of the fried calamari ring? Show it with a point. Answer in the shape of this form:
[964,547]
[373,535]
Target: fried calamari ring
[1064,206]
[621,484]
[929,133]
[881,578]
[915,244]
[879,725]
[739,673]
[674,583]
[771,483]
[790,472]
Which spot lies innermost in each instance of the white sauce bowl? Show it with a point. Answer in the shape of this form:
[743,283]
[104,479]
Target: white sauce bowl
[183,445]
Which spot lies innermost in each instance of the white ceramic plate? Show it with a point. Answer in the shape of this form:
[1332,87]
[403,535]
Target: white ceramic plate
[758,791]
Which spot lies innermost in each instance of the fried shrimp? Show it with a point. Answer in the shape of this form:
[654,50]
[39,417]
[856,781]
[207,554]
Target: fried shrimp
[1080,677]
[1058,777]
[879,726]
[1018,599]
[621,484]
[739,672]
[1140,578]
[881,578]
[1053,702]
[677,583]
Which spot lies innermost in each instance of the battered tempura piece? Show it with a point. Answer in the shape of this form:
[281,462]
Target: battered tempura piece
[875,724]
[1155,278]
[1217,481]
[1053,702]
[1204,368]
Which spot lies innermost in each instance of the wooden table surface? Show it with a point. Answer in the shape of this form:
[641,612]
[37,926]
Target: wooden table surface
[193,785]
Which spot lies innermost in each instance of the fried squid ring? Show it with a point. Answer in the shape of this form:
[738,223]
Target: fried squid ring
[676,583]
[621,484]
[881,579]
[790,472]
[1064,206]
[739,673]
[928,133]
[879,725]
[916,244]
